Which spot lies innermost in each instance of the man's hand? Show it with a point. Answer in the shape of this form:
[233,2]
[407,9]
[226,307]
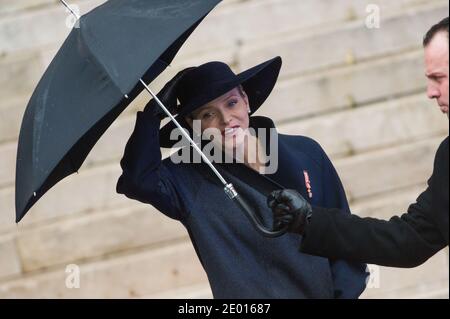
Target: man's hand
[289,208]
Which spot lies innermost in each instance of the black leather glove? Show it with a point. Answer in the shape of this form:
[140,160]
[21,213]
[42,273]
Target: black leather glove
[289,208]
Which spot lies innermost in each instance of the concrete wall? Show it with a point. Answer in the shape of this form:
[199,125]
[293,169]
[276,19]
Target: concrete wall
[359,92]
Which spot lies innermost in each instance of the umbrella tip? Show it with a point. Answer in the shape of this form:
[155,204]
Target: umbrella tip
[70,9]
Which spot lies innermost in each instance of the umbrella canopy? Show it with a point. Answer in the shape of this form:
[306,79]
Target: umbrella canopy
[95,75]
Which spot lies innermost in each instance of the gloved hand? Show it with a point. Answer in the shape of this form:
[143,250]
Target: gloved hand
[155,110]
[167,96]
[289,208]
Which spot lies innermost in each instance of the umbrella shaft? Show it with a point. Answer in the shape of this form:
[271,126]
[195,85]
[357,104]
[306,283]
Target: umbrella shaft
[205,158]
[70,9]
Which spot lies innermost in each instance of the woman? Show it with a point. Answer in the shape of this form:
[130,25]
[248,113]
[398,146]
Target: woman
[239,262]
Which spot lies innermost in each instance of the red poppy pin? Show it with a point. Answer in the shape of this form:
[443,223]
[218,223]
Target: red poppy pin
[308,184]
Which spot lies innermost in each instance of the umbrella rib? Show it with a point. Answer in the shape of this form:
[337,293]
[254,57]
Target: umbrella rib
[90,50]
[99,64]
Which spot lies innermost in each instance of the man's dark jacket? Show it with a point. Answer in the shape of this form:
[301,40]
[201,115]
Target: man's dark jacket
[405,241]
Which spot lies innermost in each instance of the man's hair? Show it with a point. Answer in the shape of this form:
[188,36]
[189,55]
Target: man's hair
[440,27]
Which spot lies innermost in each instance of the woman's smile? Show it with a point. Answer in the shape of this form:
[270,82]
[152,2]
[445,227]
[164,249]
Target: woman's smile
[230,131]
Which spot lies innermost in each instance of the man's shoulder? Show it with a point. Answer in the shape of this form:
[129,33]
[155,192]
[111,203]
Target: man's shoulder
[443,149]
[441,159]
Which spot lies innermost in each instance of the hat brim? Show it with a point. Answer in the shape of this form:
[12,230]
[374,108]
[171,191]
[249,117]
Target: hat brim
[258,82]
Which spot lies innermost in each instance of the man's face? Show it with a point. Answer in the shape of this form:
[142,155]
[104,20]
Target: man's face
[436,64]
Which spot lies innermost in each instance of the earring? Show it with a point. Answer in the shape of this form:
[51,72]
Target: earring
[249,111]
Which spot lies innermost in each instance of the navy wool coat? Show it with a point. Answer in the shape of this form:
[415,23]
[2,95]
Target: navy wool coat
[239,262]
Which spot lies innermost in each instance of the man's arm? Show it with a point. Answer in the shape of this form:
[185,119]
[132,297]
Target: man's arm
[349,277]
[405,241]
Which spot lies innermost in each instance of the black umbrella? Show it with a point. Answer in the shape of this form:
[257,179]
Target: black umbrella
[103,65]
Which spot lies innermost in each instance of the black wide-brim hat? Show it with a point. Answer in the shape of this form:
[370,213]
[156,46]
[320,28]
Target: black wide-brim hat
[210,81]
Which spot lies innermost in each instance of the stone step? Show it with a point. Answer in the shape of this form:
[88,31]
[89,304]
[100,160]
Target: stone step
[435,293]
[19,76]
[406,283]
[130,276]
[376,126]
[8,153]
[348,44]
[403,283]
[8,6]
[49,27]
[234,27]
[96,235]
[90,190]
[19,6]
[434,290]
[199,291]
[346,87]
[386,170]
[108,150]
[10,264]
[387,205]
[11,120]
[231,21]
